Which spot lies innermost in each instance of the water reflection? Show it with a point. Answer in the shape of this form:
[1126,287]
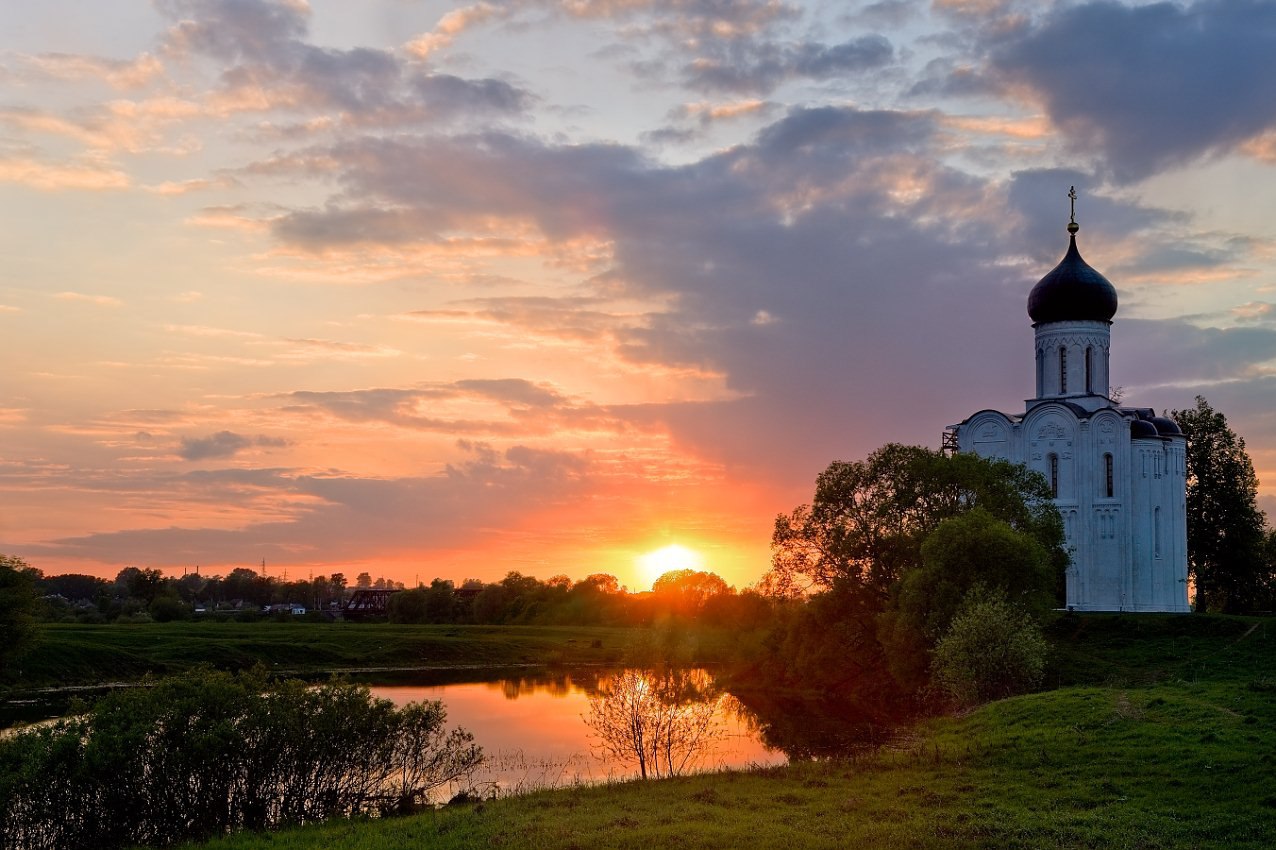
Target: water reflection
[662,722]
[532,727]
[533,724]
[806,728]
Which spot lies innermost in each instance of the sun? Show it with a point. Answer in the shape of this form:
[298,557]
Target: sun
[672,557]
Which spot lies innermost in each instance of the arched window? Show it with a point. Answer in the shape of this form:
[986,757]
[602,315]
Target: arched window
[1054,476]
[1156,532]
[1089,365]
[1041,373]
[1107,475]
[1063,370]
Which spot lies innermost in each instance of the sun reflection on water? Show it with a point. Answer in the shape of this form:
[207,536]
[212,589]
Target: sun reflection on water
[532,729]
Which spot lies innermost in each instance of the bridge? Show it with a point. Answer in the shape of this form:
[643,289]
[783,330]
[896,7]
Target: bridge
[366,603]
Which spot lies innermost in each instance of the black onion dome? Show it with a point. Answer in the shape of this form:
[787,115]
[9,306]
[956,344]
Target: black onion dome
[1165,426]
[1072,291]
[1142,428]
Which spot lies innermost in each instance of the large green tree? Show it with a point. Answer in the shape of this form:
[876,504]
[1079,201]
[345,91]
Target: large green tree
[1225,528]
[865,527]
[970,552]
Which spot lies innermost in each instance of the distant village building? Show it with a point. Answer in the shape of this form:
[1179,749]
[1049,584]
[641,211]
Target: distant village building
[1118,473]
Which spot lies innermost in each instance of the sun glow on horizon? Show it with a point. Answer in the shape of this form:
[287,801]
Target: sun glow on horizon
[672,557]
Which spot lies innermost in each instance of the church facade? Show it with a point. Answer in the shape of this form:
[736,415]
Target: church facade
[1118,473]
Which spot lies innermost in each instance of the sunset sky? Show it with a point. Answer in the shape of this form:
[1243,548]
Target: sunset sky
[432,289]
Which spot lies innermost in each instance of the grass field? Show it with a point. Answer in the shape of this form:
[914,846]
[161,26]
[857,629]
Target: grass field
[1161,736]
[82,654]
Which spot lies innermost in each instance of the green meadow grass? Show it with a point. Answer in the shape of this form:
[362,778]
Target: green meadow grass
[84,654]
[1167,766]
[1161,736]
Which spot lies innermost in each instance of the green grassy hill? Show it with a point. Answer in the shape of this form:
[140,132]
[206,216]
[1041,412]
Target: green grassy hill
[1162,733]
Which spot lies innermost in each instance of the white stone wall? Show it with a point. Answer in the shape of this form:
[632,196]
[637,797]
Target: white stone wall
[1129,548]
[1062,349]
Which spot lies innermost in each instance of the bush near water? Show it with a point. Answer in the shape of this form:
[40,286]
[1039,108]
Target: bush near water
[212,752]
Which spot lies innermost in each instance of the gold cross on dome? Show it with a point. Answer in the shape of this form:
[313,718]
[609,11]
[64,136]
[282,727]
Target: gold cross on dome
[1072,197]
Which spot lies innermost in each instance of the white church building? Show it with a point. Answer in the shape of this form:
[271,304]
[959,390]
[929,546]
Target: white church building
[1118,473]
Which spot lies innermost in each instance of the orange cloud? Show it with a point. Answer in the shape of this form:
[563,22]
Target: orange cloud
[449,27]
[87,175]
[99,300]
[119,74]
[1033,128]
[1261,147]
[707,112]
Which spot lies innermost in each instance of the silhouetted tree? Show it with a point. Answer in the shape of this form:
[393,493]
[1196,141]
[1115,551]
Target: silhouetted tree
[661,722]
[685,592]
[18,603]
[140,584]
[410,606]
[1225,528]
[865,527]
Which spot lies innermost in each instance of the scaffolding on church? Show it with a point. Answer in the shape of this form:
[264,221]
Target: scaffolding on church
[948,442]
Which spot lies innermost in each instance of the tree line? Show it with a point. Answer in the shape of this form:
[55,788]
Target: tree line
[141,595]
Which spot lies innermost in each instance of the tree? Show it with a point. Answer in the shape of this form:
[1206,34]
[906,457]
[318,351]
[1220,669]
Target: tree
[865,527]
[992,650]
[140,584]
[1225,528]
[663,723]
[18,602]
[686,592]
[597,583]
[440,600]
[410,606]
[974,550]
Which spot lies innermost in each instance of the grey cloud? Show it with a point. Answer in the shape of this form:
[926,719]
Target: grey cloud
[819,268]
[1165,242]
[1040,196]
[432,183]
[948,77]
[235,29]
[263,42]
[424,515]
[677,18]
[513,391]
[221,444]
[1152,86]
[529,408]
[830,132]
[758,67]
[888,13]
[447,95]
[224,444]
[1176,351]
[561,318]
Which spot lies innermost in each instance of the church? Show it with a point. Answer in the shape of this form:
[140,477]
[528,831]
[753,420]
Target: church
[1118,473]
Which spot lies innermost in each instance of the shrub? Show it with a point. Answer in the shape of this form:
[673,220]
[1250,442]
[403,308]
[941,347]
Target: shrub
[212,753]
[992,650]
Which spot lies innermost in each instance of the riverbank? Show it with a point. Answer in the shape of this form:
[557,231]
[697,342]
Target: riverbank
[88,655]
[1161,734]
[1168,766]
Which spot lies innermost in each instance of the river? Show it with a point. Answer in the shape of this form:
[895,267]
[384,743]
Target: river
[534,731]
